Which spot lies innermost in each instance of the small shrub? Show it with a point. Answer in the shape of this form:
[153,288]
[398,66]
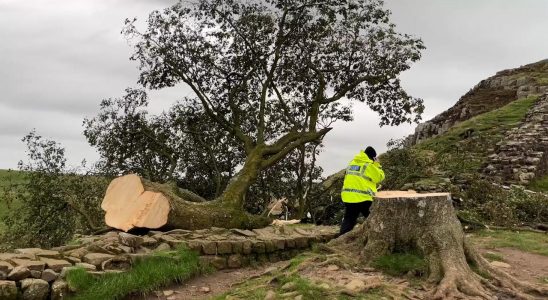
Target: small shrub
[494,205]
[50,203]
[529,207]
[499,213]
[403,165]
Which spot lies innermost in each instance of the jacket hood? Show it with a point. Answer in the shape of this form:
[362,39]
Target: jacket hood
[362,157]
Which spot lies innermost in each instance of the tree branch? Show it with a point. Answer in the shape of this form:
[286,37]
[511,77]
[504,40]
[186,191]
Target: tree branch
[208,108]
[342,92]
[270,75]
[318,98]
[212,159]
[303,139]
[173,161]
[284,106]
[84,214]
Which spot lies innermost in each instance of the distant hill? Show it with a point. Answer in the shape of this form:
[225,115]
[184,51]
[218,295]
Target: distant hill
[489,94]
[497,131]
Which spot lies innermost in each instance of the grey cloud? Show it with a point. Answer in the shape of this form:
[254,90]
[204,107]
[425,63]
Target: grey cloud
[59,58]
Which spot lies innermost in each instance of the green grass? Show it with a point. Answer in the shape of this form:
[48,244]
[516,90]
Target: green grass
[523,240]
[11,176]
[542,80]
[309,289]
[398,264]
[147,275]
[539,184]
[303,287]
[8,178]
[544,280]
[493,256]
[296,261]
[488,129]
[494,121]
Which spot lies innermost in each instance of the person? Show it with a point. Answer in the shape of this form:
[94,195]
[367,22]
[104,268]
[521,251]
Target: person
[363,174]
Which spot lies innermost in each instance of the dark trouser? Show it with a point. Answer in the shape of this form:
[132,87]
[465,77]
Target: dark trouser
[352,212]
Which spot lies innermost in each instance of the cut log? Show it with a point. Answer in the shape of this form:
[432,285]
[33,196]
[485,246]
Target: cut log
[128,205]
[131,202]
[405,221]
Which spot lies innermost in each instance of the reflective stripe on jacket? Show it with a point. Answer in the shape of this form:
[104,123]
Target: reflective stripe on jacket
[361,179]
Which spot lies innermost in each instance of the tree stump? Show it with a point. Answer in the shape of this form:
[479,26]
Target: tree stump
[131,202]
[403,221]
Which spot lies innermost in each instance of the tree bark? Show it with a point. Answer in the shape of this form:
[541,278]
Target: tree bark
[427,224]
[131,202]
[234,193]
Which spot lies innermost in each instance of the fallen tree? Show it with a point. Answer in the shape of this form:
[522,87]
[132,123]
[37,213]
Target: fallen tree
[273,75]
[427,224]
[131,202]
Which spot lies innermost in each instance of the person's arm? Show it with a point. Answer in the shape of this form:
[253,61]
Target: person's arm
[381,172]
[375,172]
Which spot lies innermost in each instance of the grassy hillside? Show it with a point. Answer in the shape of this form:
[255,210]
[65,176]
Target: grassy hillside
[460,152]
[8,178]
[11,176]
[453,161]
[473,139]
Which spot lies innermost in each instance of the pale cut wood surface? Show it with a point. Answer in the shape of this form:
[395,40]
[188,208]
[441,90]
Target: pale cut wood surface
[153,210]
[128,205]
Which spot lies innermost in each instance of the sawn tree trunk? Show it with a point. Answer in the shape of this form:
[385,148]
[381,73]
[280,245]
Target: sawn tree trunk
[427,224]
[131,202]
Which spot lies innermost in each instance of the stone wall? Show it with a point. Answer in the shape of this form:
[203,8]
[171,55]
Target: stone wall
[523,154]
[491,93]
[37,274]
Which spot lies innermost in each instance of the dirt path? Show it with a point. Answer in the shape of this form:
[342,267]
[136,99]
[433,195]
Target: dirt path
[524,266]
[208,286]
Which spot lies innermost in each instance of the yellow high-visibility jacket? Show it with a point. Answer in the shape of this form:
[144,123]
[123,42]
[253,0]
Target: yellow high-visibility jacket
[361,179]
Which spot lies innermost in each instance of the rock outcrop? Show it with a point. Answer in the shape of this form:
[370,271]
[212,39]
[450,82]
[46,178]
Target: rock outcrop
[491,93]
[523,154]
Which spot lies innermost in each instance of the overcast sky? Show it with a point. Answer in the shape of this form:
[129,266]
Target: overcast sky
[58,59]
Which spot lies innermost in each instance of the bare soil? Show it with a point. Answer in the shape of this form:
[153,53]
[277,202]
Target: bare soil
[524,266]
[331,276]
[209,285]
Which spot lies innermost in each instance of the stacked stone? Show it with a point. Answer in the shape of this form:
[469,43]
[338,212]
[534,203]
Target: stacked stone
[37,274]
[523,154]
[32,273]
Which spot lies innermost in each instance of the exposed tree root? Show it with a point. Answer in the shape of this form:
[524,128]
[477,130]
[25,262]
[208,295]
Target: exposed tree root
[503,282]
[432,229]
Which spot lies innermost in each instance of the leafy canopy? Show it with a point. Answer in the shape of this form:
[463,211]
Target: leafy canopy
[270,71]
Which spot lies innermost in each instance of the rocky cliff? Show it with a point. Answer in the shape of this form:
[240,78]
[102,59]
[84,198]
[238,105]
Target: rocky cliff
[489,94]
